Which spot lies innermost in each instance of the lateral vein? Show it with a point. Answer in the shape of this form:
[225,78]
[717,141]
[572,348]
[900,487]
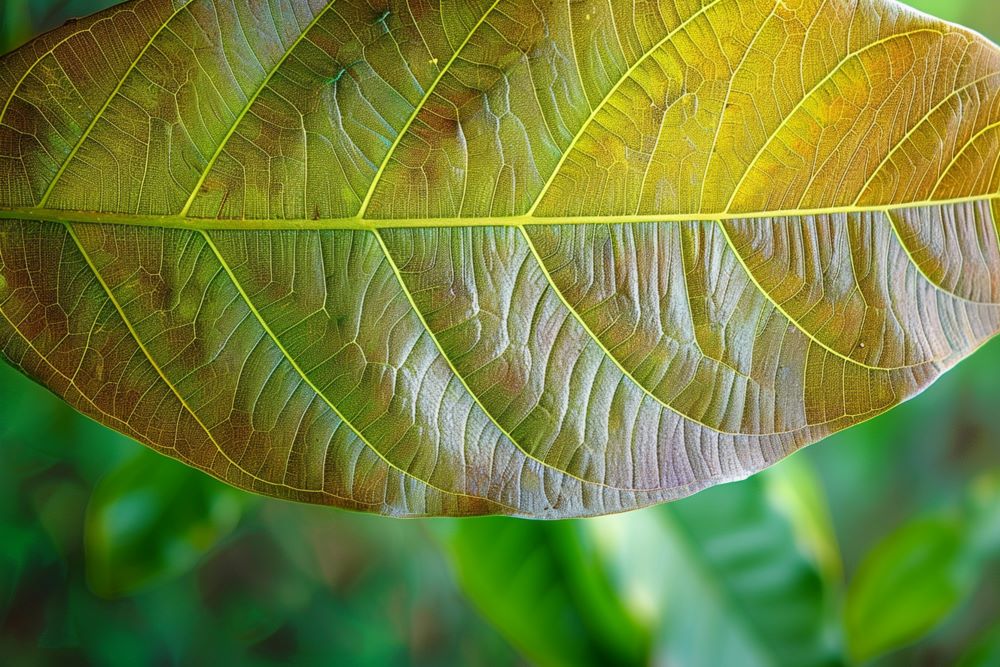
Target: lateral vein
[462,380]
[107,103]
[305,378]
[416,110]
[250,102]
[159,371]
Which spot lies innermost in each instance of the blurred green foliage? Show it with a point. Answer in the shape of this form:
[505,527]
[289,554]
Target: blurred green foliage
[879,546]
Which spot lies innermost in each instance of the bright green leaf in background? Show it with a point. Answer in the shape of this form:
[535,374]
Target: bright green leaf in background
[725,579]
[906,586]
[301,585]
[148,522]
[728,554]
[547,588]
[919,574]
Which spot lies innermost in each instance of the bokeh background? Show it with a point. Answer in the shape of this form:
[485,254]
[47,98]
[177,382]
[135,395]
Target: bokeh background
[878,546]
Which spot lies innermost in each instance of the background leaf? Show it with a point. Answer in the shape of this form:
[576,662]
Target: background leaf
[906,586]
[985,652]
[525,576]
[147,522]
[706,568]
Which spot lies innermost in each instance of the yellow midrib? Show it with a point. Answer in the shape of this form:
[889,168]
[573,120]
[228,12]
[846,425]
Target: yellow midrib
[361,221]
[360,224]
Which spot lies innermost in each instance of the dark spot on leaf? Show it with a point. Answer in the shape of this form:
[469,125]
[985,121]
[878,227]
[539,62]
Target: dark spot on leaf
[336,77]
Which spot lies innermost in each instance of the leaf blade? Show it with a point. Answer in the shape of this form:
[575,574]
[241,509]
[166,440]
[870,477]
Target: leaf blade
[386,283]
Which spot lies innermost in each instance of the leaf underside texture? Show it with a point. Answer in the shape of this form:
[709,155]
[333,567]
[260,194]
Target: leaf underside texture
[456,257]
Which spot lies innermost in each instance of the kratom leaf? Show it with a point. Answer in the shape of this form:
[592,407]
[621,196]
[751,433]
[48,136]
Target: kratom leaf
[542,259]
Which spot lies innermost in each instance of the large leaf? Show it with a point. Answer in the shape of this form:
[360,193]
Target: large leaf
[502,256]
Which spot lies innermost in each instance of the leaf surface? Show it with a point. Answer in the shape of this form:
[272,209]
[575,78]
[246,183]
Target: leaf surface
[496,256]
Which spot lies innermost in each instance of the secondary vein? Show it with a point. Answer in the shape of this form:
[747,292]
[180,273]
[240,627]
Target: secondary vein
[416,110]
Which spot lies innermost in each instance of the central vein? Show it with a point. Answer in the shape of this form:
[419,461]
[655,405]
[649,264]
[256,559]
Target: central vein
[360,223]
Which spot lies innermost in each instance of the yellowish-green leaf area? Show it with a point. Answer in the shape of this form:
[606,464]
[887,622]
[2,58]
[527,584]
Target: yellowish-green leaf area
[454,257]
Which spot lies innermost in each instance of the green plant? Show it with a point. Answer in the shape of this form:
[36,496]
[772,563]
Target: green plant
[104,563]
